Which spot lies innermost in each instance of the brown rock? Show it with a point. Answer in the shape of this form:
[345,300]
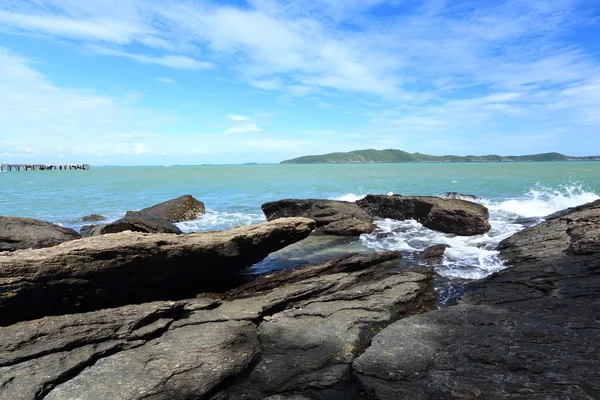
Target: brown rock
[18,233]
[455,216]
[180,209]
[332,217]
[133,267]
[132,221]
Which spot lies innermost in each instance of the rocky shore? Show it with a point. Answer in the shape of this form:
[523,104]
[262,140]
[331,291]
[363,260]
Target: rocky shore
[133,315]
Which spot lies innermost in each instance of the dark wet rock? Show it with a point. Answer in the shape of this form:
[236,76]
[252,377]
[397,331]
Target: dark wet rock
[183,208]
[93,218]
[527,332]
[127,353]
[528,221]
[455,216]
[433,254]
[348,263]
[18,233]
[132,221]
[457,195]
[332,217]
[292,341]
[583,207]
[133,267]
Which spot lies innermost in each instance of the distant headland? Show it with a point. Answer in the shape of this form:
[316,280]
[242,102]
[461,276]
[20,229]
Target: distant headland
[399,156]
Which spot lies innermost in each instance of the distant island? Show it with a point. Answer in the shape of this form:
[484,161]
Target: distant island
[399,156]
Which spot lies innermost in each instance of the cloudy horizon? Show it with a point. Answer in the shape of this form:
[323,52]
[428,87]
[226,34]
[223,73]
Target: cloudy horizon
[142,82]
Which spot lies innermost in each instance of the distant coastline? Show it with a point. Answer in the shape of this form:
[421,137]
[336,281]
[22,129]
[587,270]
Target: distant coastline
[399,156]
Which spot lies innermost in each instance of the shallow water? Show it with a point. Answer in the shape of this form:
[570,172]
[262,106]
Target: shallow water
[233,195]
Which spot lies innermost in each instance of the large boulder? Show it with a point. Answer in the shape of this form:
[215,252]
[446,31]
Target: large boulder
[530,331]
[180,209]
[132,221]
[456,216]
[134,267]
[332,217]
[290,340]
[18,233]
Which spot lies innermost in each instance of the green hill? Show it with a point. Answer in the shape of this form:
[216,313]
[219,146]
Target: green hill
[398,156]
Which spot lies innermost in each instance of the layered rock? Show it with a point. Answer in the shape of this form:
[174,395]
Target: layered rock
[455,216]
[133,267]
[528,332]
[18,233]
[290,338]
[331,216]
[132,221]
[176,210]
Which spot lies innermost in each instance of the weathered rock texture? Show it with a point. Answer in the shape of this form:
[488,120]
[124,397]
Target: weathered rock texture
[18,233]
[528,332]
[456,216]
[132,267]
[433,254]
[289,341]
[93,217]
[132,221]
[332,217]
[180,209]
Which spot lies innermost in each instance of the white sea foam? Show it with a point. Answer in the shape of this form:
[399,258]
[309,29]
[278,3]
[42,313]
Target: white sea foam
[541,201]
[468,257]
[349,197]
[474,257]
[218,220]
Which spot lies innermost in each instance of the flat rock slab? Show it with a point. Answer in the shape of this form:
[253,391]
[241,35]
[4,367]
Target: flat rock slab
[456,216]
[300,335]
[530,331]
[332,217]
[131,267]
[18,233]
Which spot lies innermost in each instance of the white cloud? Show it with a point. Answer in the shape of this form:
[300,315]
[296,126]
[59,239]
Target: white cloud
[171,61]
[100,28]
[78,123]
[164,79]
[436,70]
[243,129]
[235,117]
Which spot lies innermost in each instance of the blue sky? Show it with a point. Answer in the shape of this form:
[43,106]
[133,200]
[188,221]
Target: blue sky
[142,82]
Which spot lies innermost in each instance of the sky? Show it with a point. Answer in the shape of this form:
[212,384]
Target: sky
[145,82]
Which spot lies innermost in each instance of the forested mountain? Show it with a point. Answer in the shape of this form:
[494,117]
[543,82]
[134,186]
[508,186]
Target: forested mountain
[396,156]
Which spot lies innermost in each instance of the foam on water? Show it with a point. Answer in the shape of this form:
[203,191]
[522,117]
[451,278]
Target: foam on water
[218,220]
[541,201]
[349,197]
[475,257]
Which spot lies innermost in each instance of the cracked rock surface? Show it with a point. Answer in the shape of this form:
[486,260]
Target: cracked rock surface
[133,267]
[529,332]
[280,337]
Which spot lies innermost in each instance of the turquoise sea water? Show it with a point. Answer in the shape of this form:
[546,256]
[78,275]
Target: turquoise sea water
[233,195]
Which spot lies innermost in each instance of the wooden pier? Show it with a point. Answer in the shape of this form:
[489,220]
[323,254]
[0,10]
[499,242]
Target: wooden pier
[42,167]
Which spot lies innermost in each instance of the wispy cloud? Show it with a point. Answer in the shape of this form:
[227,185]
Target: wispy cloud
[243,129]
[171,61]
[164,79]
[447,75]
[235,117]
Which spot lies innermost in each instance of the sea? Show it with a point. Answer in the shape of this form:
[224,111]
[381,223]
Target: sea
[517,194]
